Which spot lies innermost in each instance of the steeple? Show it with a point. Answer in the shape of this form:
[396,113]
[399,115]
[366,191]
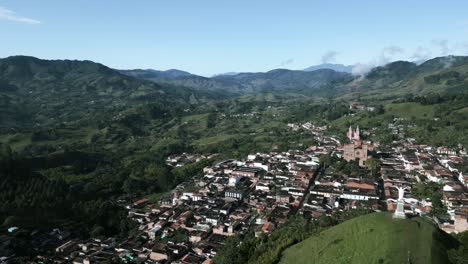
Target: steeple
[350,133]
[353,135]
[357,135]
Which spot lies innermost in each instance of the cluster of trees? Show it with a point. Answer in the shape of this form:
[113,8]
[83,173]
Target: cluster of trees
[435,98]
[427,99]
[158,178]
[320,112]
[450,77]
[460,254]
[31,200]
[351,167]
[432,191]
[79,188]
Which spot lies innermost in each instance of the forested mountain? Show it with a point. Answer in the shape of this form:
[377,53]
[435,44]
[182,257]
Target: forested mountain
[331,66]
[35,92]
[391,81]
[282,80]
[155,74]
[399,79]
[276,81]
[193,81]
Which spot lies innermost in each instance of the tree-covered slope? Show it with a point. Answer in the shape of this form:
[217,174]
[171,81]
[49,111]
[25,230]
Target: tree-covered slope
[374,238]
[392,81]
[399,79]
[277,81]
[283,80]
[35,92]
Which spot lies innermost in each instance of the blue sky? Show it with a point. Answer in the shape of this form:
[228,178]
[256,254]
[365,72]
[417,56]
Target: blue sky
[207,37]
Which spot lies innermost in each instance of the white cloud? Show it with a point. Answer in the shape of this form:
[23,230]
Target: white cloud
[360,69]
[436,47]
[387,55]
[7,14]
[329,57]
[443,46]
[421,53]
[446,47]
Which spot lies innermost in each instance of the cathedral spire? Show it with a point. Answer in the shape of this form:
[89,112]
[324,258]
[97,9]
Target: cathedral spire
[350,133]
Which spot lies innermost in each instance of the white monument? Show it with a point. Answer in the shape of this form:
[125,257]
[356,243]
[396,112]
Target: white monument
[400,210]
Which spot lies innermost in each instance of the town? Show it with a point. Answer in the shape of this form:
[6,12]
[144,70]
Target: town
[259,193]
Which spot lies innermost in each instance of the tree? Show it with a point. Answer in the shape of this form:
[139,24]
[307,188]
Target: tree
[160,175]
[460,255]
[211,120]
[325,159]
[373,164]
[132,185]
[97,231]
[5,157]
[11,220]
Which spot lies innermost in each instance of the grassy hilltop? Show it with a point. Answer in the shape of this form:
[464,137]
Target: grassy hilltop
[374,238]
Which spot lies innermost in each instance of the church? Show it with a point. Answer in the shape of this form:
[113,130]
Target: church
[356,149]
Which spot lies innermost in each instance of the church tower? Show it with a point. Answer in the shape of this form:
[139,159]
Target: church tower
[350,133]
[357,134]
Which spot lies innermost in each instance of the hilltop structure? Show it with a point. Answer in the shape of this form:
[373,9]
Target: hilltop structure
[400,210]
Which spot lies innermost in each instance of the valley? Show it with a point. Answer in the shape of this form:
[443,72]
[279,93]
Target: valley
[84,150]
[221,132]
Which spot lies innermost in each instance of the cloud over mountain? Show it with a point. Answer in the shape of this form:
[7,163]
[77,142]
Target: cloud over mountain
[329,56]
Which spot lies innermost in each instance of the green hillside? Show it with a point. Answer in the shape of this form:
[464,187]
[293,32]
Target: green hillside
[375,238]
[399,79]
[279,81]
[36,92]
[392,81]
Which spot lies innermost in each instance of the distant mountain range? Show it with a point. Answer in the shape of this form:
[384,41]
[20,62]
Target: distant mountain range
[35,91]
[393,79]
[225,73]
[244,83]
[173,74]
[402,78]
[331,66]
[235,83]
[155,74]
[282,79]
